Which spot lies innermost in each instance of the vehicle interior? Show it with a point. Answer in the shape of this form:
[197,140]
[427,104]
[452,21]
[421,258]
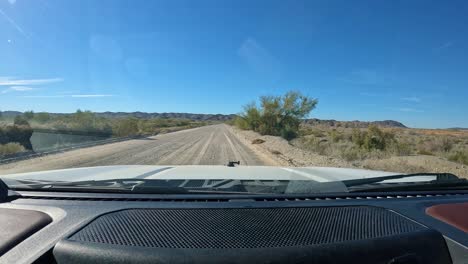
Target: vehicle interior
[376,226]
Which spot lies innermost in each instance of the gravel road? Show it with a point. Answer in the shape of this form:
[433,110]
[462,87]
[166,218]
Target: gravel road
[209,145]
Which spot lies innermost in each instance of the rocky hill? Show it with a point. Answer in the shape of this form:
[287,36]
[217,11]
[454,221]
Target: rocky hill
[198,117]
[354,124]
[222,117]
[191,116]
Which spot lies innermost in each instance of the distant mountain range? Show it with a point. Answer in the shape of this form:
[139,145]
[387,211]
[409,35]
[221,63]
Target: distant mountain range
[222,117]
[198,117]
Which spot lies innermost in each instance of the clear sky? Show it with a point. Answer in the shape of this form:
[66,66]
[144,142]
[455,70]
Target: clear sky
[365,60]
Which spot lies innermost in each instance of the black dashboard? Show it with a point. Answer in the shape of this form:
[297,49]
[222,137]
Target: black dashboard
[52,227]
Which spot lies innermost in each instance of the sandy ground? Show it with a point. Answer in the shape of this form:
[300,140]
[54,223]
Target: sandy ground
[284,154]
[209,145]
[216,145]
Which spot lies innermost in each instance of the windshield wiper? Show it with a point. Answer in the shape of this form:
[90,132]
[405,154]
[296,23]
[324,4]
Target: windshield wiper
[441,181]
[439,177]
[129,185]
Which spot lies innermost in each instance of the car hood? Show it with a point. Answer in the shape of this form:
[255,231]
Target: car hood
[318,174]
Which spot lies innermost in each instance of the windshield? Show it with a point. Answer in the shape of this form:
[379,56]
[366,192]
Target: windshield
[268,92]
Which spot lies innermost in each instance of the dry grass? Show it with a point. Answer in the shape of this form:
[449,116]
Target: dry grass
[10,148]
[350,144]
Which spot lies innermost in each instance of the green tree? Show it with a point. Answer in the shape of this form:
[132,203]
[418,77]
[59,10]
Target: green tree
[28,115]
[277,115]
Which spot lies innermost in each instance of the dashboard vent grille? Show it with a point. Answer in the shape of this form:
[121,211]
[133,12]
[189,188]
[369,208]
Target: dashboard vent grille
[243,228]
[322,197]
[124,199]
[356,197]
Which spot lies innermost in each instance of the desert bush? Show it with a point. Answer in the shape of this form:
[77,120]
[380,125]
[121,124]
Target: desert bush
[318,145]
[258,141]
[28,115]
[20,121]
[241,123]
[289,132]
[277,115]
[42,117]
[312,131]
[372,139]
[401,148]
[336,136]
[375,138]
[351,153]
[11,148]
[436,144]
[252,117]
[18,134]
[357,137]
[459,156]
[444,143]
[360,144]
[424,152]
[126,127]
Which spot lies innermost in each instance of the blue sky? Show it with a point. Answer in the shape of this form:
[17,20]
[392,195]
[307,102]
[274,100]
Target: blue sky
[363,60]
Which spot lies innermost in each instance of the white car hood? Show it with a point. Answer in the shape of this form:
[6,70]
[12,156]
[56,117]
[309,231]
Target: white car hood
[318,174]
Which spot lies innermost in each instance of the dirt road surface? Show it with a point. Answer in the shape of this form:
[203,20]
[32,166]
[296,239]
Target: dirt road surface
[209,145]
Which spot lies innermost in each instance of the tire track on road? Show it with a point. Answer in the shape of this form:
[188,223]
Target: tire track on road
[202,152]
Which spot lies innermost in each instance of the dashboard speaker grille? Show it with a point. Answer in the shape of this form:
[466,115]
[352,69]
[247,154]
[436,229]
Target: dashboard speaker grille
[243,228]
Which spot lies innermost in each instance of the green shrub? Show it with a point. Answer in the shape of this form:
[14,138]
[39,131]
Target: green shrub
[401,148]
[126,127]
[288,133]
[375,138]
[277,115]
[10,148]
[336,136]
[351,154]
[312,131]
[18,134]
[241,123]
[372,139]
[459,156]
[28,115]
[317,145]
[42,117]
[20,121]
[357,137]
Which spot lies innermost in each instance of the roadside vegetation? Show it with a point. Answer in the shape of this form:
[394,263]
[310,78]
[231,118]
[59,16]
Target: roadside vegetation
[10,148]
[277,115]
[378,143]
[371,146]
[15,133]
